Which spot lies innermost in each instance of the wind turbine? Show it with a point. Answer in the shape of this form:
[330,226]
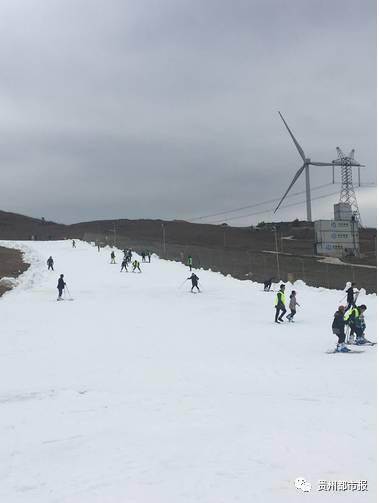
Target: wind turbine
[306,163]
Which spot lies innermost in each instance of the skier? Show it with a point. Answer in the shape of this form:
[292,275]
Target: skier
[129,255]
[350,298]
[98,247]
[124,264]
[194,280]
[338,328]
[143,255]
[280,304]
[292,305]
[136,266]
[356,324]
[61,285]
[113,257]
[362,326]
[189,262]
[50,263]
[149,256]
[267,285]
[73,243]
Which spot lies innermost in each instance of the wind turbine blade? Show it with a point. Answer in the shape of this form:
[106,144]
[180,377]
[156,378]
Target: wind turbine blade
[322,163]
[299,149]
[298,173]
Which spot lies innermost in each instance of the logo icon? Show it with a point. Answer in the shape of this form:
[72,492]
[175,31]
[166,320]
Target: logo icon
[301,483]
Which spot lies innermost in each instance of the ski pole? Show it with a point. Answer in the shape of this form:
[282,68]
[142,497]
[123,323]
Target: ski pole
[180,286]
[68,291]
[342,299]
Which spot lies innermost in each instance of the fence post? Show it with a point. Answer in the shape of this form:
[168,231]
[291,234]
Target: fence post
[327,275]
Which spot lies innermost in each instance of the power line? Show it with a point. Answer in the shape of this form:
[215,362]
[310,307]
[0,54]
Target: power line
[256,204]
[270,211]
[269,201]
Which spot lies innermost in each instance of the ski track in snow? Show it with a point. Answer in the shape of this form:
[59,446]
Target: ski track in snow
[140,392]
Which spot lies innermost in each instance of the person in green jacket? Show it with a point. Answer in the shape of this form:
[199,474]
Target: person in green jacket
[280,305]
[189,262]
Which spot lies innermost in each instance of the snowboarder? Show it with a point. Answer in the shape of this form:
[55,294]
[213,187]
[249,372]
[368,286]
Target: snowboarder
[292,305]
[136,266]
[280,304]
[351,297]
[194,279]
[50,263]
[189,262]
[338,328]
[267,285]
[124,264]
[73,243]
[113,257]
[60,286]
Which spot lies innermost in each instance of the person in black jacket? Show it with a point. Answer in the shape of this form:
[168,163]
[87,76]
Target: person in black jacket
[61,285]
[194,280]
[350,297]
[338,328]
[267,285]
[50,263]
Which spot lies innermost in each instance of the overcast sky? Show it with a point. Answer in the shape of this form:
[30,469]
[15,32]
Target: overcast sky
[168,108]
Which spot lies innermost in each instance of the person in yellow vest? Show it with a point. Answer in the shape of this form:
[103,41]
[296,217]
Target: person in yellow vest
[136,266]
[354,320]
[280,305]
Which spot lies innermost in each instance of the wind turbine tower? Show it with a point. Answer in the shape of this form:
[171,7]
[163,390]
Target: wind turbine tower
[347,194]
[305,167]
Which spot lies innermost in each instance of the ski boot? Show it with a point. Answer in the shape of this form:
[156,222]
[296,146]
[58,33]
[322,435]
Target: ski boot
[341,348]
[360,341]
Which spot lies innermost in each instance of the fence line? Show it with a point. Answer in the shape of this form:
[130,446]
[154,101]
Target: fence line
[253,265]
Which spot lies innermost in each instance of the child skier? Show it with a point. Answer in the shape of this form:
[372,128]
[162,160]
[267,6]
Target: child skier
[50,263]
[136,266]
[280,305]
[292,305]
[356,323]
[194,280]
[113,257]
[338,328]
[61,285]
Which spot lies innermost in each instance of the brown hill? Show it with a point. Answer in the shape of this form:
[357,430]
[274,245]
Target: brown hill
[243,252]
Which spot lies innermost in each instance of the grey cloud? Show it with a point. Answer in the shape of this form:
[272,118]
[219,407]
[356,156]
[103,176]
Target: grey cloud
[169,108]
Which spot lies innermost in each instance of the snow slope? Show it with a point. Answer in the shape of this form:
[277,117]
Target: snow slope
[140,392]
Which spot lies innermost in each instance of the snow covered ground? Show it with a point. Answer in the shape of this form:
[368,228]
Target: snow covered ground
[140,392]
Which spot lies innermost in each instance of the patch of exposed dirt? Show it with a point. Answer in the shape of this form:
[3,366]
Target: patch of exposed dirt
[11,266]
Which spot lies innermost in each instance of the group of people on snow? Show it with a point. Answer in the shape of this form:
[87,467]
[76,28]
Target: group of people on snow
[348,321]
